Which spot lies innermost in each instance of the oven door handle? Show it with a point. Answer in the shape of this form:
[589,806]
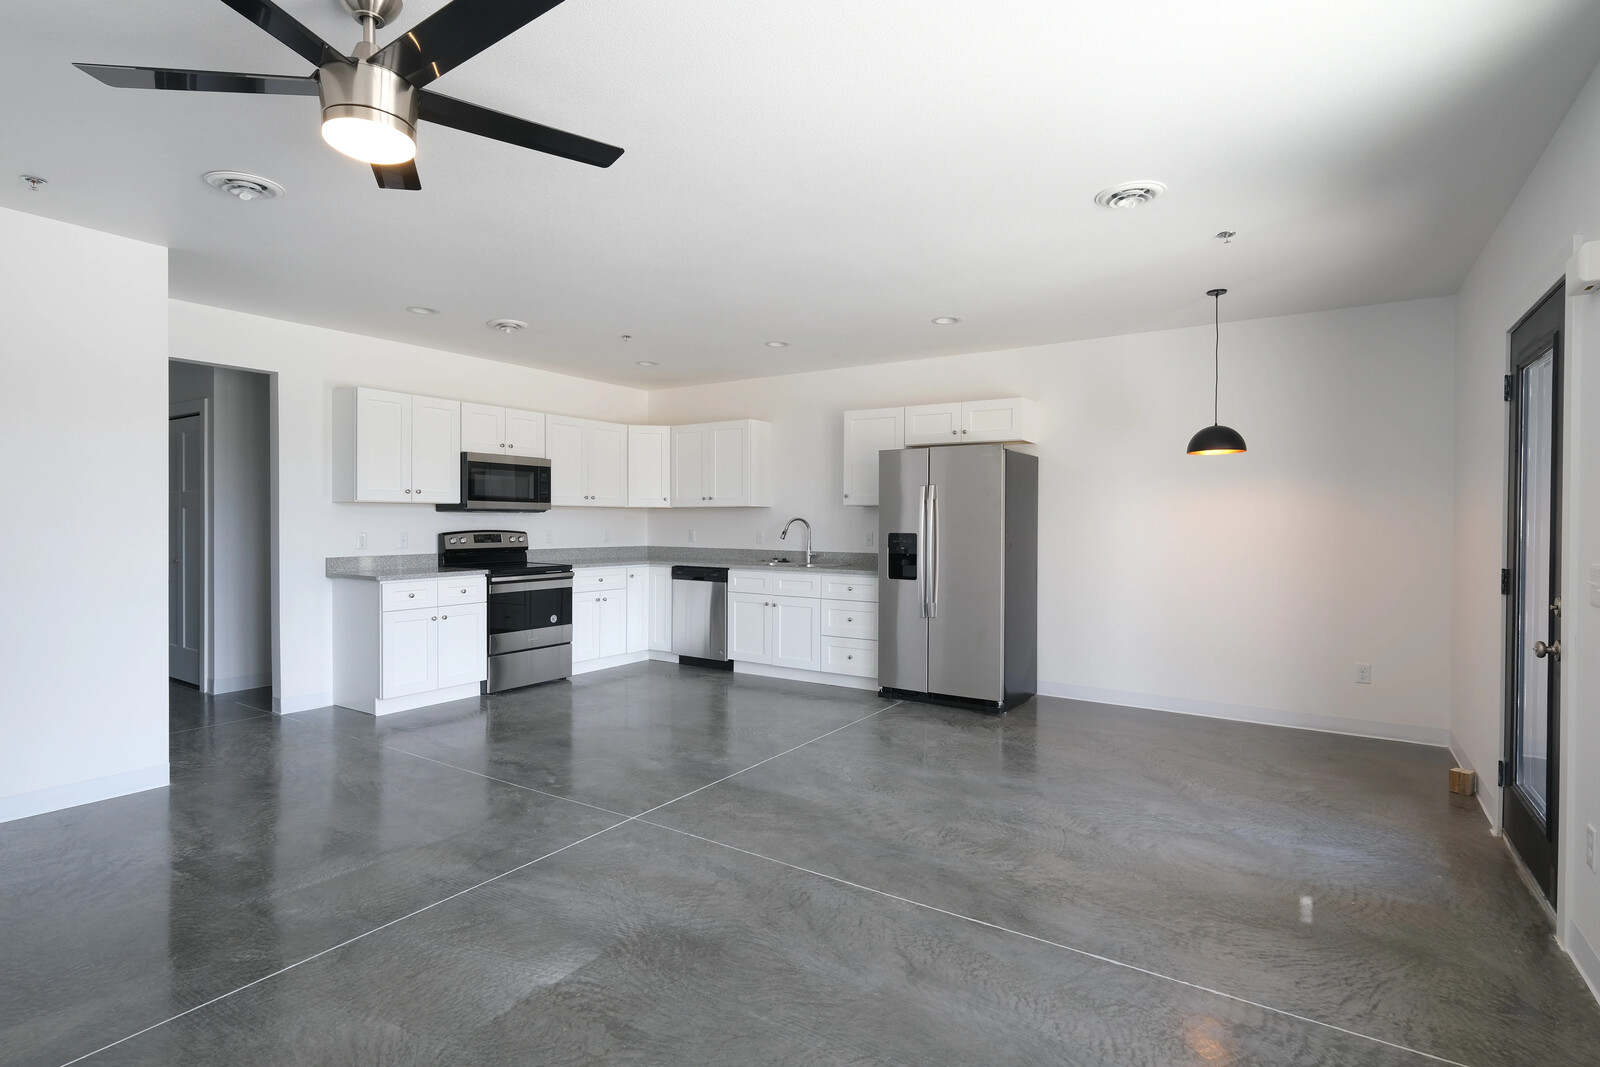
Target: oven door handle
[527,585]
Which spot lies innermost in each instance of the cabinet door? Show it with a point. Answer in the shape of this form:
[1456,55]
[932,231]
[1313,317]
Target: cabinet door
[660,609]
[726,472]
[585,627]
[994,420]
[483,428]
[383,446]
[605,465]
[524,433]
[463,644]
[613,623]
[435,450]
[564,445]
[689,458]
[408,652]
[933,424]
[638,609]
[866,433]
[796,633]
[749,632]
[649,466]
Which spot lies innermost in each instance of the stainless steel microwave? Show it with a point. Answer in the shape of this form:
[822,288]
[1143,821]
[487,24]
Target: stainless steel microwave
[502,483]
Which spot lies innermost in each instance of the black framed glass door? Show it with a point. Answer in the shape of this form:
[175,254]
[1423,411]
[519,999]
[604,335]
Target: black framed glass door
[1530,775]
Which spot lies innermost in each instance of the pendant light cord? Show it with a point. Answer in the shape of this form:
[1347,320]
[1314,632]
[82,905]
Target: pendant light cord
[1216,359]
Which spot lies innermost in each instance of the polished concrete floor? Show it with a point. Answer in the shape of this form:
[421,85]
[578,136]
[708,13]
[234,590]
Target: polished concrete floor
[655,866]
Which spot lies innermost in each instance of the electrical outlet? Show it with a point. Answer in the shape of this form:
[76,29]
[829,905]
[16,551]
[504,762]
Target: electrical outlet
[761,537]
[1588,846]
[693,537]
[405,540]
[549,537]
[1363,674]
[361,540]
[605,535]
[872,538]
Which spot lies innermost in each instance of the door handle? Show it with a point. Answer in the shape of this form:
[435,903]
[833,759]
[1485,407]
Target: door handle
[1542,650]
[922,549]
[933,551]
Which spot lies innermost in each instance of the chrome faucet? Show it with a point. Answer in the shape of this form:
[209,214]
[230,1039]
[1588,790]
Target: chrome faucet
[785,535]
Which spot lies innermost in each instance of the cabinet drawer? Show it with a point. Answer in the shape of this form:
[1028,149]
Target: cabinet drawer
[843,655]
[587,581]
[750,581]
[844,618]
[851,587]
[470,590]
[398,595]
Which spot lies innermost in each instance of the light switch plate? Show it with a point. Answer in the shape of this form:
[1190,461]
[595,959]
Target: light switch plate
[405,540]
[1594,584]
[361,540]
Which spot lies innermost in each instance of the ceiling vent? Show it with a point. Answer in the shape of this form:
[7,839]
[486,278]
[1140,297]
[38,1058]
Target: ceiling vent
[244,186]
[1129,195]
[507,325]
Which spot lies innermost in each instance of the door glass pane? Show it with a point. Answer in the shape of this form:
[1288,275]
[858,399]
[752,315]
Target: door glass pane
[1535,505]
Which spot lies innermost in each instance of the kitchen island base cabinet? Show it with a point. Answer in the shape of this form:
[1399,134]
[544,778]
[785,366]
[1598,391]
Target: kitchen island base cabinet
[408,643]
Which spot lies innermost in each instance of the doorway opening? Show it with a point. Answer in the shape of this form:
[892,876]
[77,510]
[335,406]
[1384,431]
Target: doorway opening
[220,546]
[1530,771]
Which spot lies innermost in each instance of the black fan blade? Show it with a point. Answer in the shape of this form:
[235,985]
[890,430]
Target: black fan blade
[200,81]
[454,34]
[470,118]
[282,25]
[398,176]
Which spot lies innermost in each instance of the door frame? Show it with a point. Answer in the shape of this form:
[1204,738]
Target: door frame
[1551,339]
[179,410]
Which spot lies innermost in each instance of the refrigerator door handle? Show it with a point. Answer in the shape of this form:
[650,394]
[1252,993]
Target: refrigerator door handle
[926,607]
[933,551]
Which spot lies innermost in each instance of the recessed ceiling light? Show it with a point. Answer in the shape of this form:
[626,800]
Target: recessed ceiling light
[244,186]
[945,320]
[418,309]
[507,325]
[1129,195]
[646,363]
[777,344]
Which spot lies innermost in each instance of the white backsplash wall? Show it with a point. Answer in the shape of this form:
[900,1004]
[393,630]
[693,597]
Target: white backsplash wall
[309,363]
[1249,585]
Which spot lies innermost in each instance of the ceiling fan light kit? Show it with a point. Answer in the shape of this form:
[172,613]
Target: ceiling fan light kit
[1216,439]
[373,98]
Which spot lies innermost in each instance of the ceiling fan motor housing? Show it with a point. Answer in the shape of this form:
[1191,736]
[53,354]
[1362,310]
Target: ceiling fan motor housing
[364,90]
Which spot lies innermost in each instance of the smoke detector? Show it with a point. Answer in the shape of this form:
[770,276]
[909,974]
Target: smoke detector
[1129,195]
[507,326]
[244,186]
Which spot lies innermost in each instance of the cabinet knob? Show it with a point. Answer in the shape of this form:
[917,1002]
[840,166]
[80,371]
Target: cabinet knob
[412,595]
[847,496]
[408,492]
[850,589]
[444,616]
[605,598]
[963,431]
[463,590]
[849,657]
[511,446]
[953,433]
[849,618]
[436,618]
[599,579]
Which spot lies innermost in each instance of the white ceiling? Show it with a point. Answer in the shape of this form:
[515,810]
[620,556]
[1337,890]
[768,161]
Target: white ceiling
[831,173]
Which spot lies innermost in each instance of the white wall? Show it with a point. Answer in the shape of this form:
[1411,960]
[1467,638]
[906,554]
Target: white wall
[1526,256]
[308,363]
[83,401]
[1247,586]
[241,541]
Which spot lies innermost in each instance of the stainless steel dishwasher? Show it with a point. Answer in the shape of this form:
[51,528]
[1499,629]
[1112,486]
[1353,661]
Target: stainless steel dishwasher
[700,616]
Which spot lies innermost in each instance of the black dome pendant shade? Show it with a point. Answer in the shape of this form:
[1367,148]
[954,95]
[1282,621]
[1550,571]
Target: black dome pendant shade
[1216,439]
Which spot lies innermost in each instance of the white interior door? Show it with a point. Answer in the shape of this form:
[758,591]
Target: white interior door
[186,543]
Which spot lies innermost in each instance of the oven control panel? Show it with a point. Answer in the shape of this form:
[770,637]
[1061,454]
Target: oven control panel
[460,539]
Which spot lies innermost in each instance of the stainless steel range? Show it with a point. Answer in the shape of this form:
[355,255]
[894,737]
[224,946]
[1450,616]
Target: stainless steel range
[530,606]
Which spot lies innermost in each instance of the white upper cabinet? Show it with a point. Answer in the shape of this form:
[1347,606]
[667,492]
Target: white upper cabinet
[501,430]
[588,462]
[866,433]
[972,422]
[395,448]
[649,466]
[722,465]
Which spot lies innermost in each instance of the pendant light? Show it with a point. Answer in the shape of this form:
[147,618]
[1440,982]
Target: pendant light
[1216,439]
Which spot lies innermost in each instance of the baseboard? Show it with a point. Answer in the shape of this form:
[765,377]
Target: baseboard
[1331,724]
[1584,957]
[1482,794]
[290,705]
[56,797]
[220,686]
[794,674]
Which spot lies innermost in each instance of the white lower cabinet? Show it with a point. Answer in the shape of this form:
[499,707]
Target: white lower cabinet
[660,609]
[843,655]
[749,629]
[409,643]
[804,620]
[599,613]
[638,609]
[780,630]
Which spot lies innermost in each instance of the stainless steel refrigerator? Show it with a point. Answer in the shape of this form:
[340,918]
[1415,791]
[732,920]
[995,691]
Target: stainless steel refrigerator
[958,574]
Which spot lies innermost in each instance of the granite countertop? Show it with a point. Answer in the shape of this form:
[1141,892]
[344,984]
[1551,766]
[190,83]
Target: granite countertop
[409,566]
[426,565]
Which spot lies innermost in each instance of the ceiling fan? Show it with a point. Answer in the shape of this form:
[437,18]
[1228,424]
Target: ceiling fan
[372,98]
